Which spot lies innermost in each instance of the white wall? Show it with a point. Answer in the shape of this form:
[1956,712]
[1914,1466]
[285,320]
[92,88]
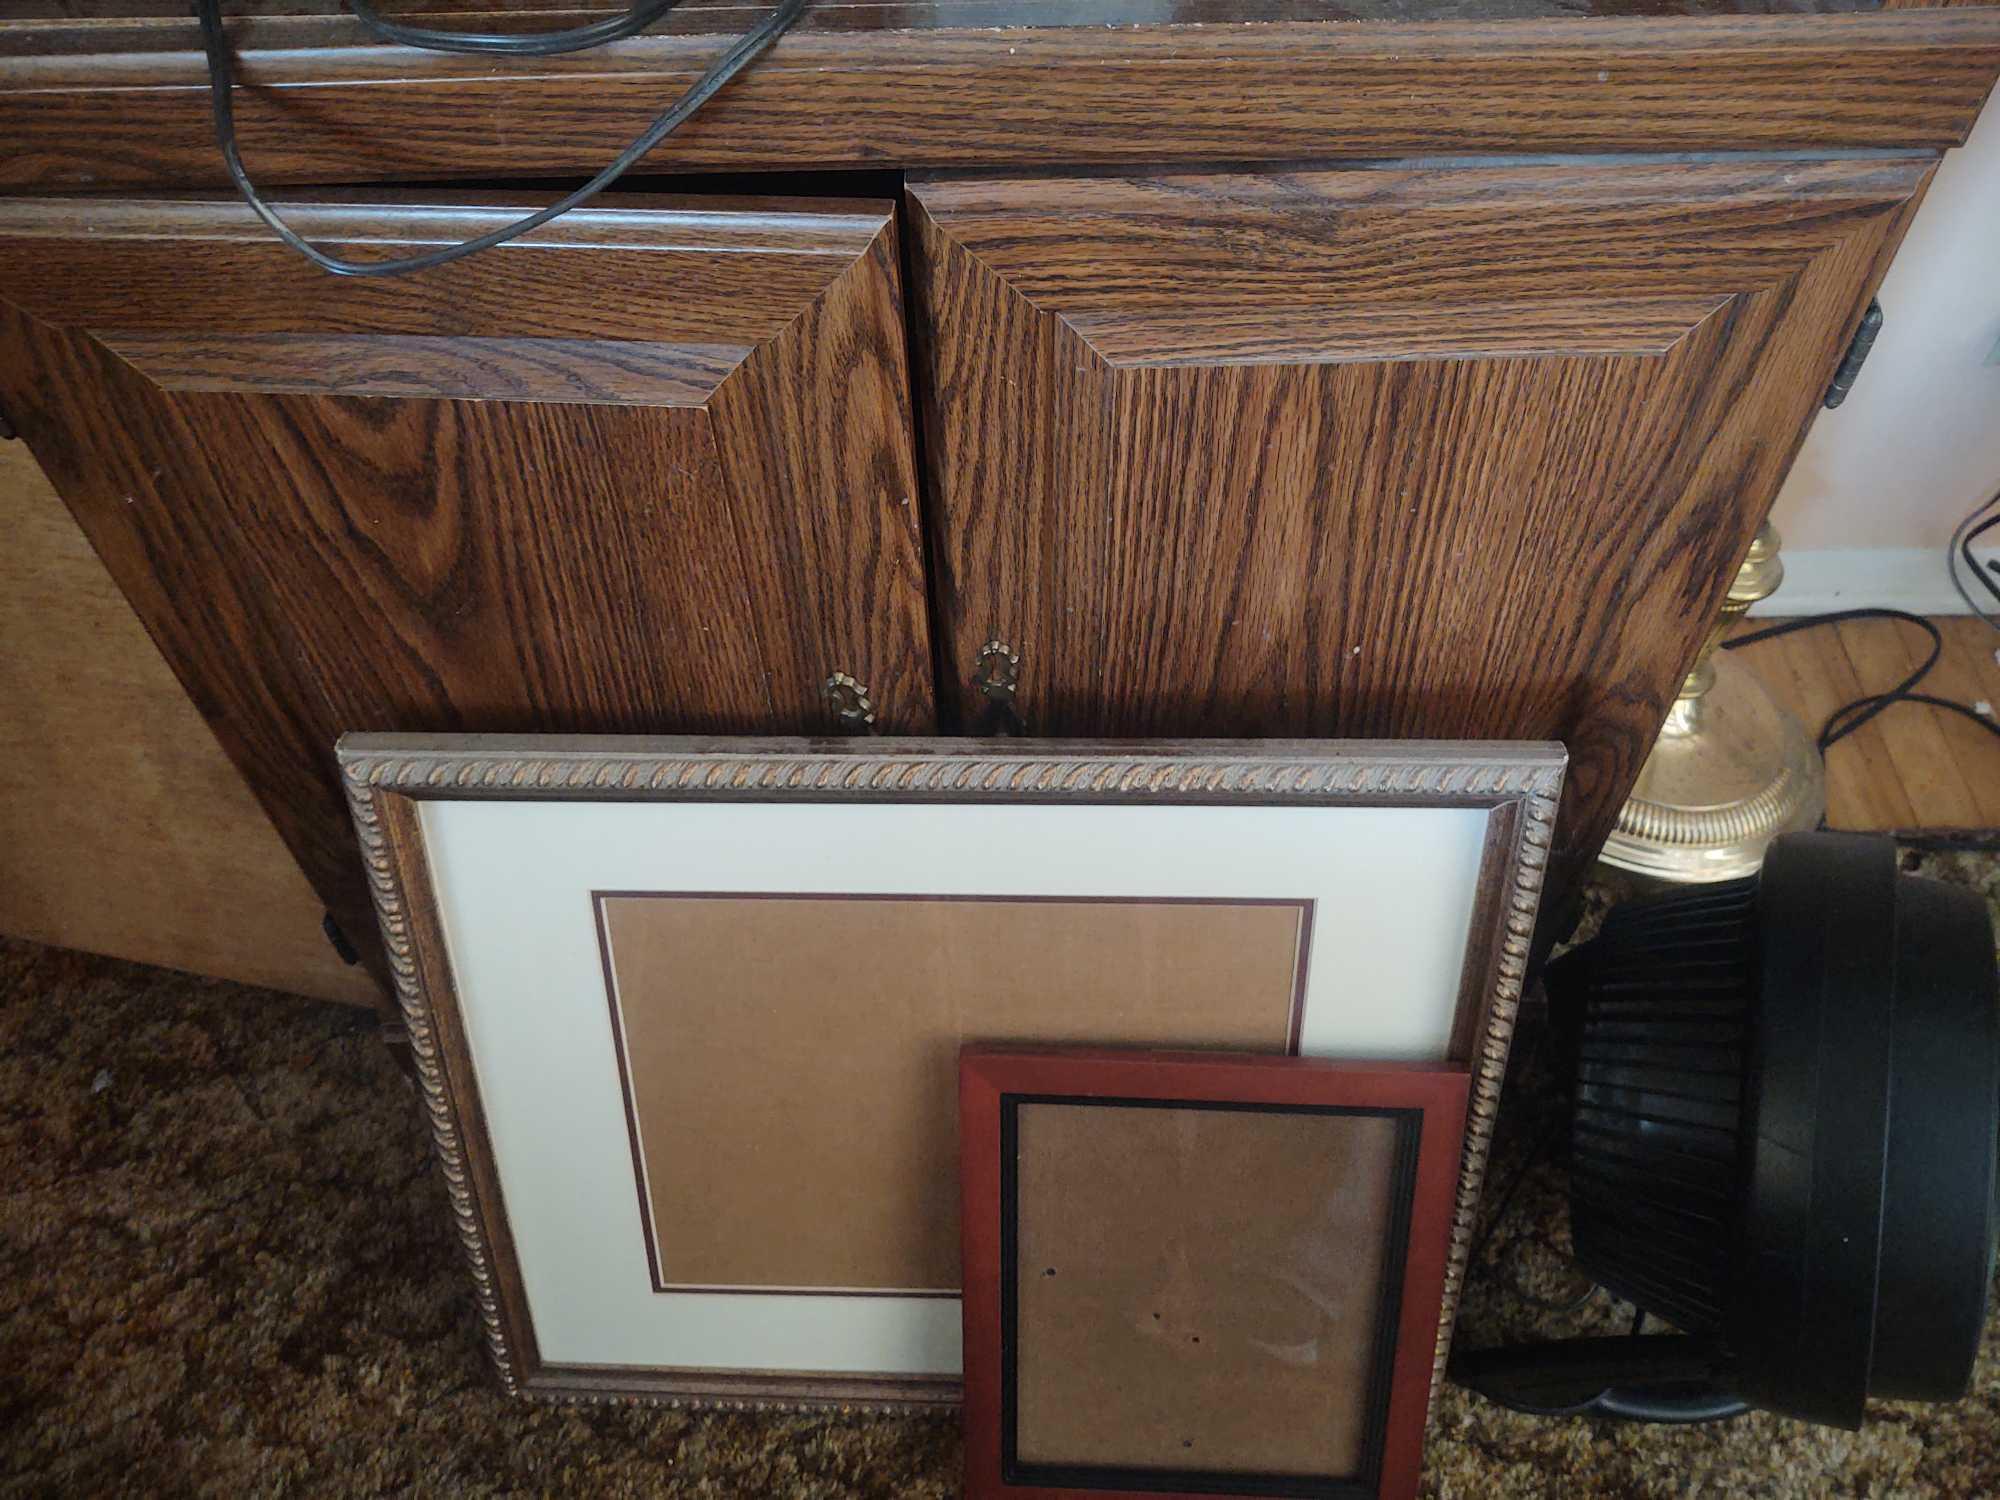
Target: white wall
[1882,481]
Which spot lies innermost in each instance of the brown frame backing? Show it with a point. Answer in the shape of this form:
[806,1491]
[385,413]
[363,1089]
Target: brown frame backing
[1301,969]
[387,776]
[992,1080]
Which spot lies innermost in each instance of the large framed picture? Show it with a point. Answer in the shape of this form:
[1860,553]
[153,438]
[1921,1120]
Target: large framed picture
[1201,1273]
[686,1013]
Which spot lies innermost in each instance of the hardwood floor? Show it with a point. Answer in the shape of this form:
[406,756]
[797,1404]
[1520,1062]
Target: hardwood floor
[1914,767]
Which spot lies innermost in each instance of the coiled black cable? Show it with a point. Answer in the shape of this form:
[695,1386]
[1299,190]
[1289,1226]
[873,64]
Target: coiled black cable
[1970,530]
[221,84]
[1851,716]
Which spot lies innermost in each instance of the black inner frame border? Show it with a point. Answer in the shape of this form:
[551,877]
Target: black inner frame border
[1365,1485]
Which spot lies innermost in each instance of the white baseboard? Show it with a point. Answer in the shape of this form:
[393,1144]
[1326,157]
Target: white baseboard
[1911,578]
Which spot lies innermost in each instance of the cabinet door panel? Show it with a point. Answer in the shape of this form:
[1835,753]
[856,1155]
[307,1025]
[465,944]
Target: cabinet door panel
[1457,452]
[649,470]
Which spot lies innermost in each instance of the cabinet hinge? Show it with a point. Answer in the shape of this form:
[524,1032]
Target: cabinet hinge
[1856,356]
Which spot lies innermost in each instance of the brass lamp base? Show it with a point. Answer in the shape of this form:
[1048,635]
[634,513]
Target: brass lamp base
[1730,772]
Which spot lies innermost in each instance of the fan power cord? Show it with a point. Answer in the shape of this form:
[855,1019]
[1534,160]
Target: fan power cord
[1959,553]
[1851,716]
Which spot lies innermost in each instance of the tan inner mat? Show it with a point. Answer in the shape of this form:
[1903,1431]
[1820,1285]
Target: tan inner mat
[791,1061]
[1197,1288]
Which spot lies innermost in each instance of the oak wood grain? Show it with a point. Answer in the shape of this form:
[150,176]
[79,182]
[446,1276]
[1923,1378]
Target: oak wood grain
[124,829]
[897,15]
[1814,678]
[123,103]
[549,558]
[1348,264]
[1883,652]
[691,271]
[623,373]
[1469,542]
[1913,768]
[1967,672]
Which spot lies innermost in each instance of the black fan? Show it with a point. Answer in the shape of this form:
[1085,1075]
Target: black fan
[1787,1101]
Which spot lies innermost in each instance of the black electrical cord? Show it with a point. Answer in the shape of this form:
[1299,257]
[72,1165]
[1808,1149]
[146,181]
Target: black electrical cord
[1972,562]
[1476,1259]
[1970,530]
[1542,1145]
[516,44]
[1851,716]
[221,84]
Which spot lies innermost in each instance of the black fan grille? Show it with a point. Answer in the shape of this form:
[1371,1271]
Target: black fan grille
[1663,1000]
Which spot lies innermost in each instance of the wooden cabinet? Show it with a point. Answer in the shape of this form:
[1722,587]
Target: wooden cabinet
[1464,451]
[1440,437]
[649,472]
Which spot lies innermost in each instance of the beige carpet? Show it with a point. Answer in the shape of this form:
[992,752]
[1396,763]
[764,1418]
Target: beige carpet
[228,1270]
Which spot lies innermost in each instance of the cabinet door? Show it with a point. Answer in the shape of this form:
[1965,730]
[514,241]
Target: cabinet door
[1455,452]
[648,470]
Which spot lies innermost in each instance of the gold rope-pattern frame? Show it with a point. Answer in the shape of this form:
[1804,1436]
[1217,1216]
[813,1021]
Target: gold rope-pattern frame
[386,775]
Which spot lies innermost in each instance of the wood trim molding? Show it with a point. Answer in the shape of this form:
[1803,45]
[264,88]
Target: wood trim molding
[387,775]
[393,851]
[123,105]
[702,276]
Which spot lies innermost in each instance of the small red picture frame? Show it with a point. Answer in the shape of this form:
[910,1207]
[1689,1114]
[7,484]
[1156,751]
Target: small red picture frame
[1201,1274]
